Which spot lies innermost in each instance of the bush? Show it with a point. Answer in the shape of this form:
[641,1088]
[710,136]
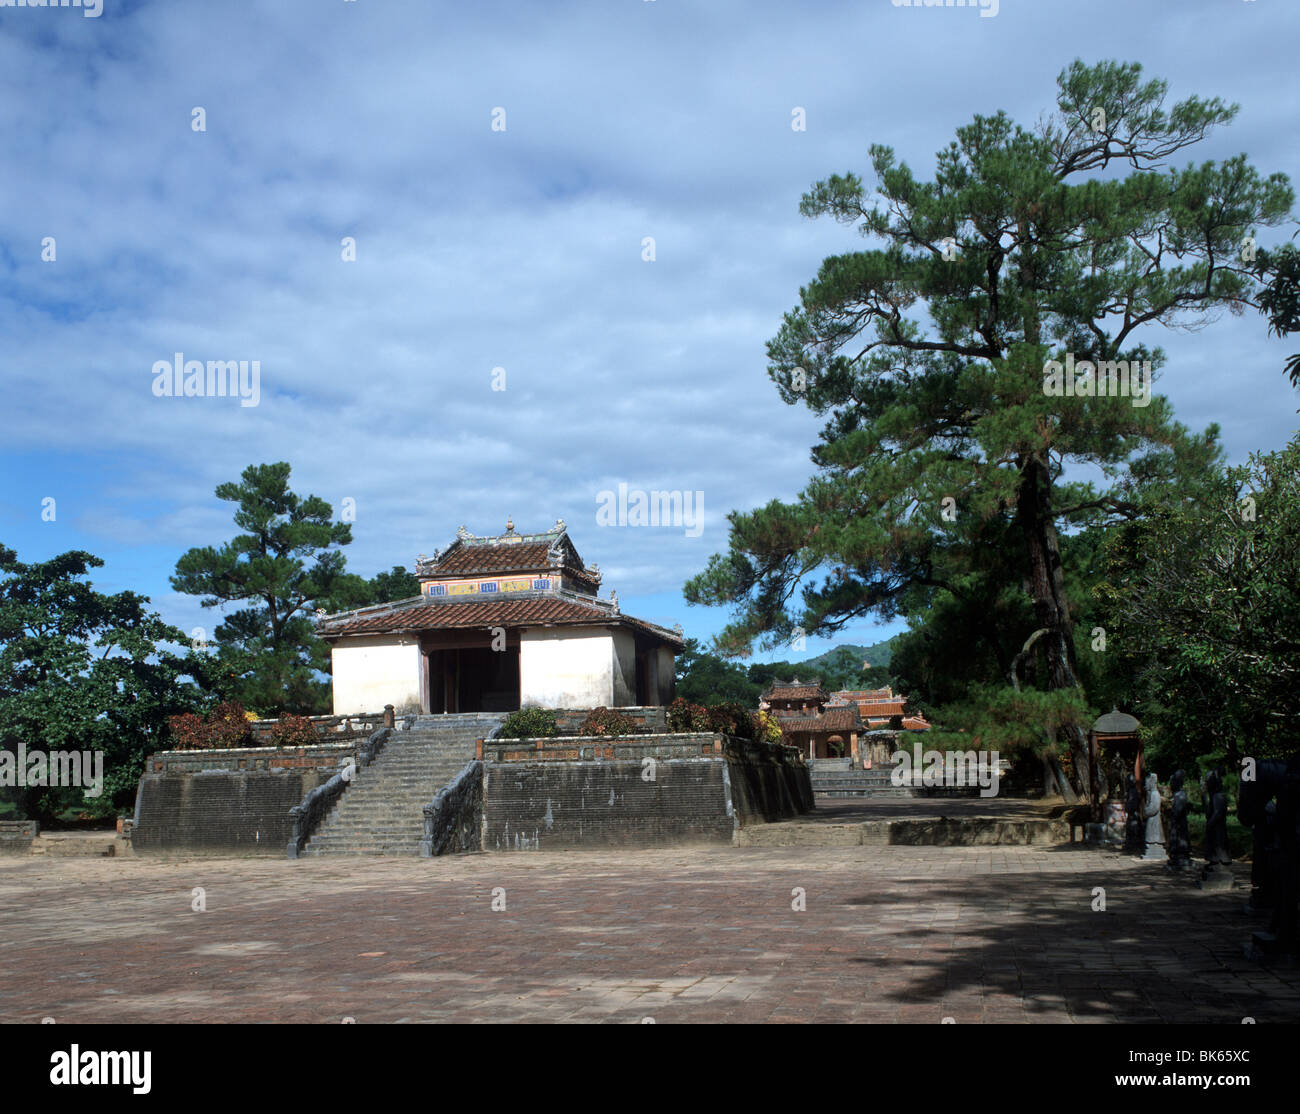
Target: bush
[226,727]
[604,721]
[732,719]
[684,716]
[768,728]
[294,731]
[529,723]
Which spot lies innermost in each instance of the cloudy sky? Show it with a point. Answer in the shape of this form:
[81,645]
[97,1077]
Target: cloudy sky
[518,248]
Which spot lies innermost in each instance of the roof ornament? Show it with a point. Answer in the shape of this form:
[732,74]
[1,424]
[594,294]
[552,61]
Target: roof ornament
[613,599]
[678,628]
[510,525]
[462,533]
[559,524]
[320,613]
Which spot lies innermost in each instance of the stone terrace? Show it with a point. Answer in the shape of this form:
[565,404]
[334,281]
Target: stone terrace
[910,934]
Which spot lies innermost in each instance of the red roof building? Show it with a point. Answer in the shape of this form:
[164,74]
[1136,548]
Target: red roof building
[878,707]
[501,621]
[818,728]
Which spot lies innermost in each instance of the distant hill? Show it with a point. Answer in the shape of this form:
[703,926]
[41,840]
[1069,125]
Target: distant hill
[878,653]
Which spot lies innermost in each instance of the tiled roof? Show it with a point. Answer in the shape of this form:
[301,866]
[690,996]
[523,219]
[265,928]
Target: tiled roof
[469,559]
[842,718]
[790,690]
[418,614]
[915,723]
[881,709]
[859,695]
[470,555]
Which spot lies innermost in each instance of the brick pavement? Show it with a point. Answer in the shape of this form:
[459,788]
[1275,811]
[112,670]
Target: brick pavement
[890,934]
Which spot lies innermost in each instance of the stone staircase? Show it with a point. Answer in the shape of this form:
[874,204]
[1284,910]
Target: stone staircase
[838,777]
[381,812]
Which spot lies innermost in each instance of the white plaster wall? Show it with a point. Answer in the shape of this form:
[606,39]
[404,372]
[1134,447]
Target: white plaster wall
[624,669]
[566,668]
[373,671]
[667,670]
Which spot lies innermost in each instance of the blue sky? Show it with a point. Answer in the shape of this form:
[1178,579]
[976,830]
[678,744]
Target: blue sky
[521,249]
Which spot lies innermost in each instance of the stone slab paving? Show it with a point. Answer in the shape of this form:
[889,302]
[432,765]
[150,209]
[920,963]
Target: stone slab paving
[890,934]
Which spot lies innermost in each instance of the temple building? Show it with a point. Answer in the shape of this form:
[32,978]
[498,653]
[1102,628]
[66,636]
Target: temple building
[879,708]
[500,622]
[833,725]
[809,722]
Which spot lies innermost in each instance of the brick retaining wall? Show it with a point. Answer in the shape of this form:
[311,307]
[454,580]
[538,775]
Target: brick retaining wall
[16,836]
[639,791]
[229,800]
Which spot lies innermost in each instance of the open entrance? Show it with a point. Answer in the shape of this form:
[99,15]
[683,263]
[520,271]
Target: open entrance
[471,678]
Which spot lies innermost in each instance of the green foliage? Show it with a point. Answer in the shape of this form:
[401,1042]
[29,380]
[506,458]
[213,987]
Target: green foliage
[285,563]
[1203,610]
[1280,299]
[916,417]
[705,678]
[604,721]
[942,463]
[81,670]
[529,723]
[351,591]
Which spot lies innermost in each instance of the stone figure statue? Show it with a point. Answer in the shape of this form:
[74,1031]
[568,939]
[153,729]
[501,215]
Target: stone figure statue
[1270,804]
[1180,839]
[1134,843]
[1216,819]
[1155,832]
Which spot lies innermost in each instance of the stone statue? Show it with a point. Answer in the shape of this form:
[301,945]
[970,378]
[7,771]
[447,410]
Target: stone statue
[1271,802]
[1216,819]
[1180,839]
[1134,843]
[1155,832]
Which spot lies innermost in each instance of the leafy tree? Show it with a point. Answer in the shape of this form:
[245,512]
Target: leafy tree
[705,678]
[942,462]
[1280,299]
[1204,610]
[284,564]
[81,670]
[351,591]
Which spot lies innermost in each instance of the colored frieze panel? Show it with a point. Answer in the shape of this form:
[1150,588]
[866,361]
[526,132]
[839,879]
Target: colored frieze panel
[489,587]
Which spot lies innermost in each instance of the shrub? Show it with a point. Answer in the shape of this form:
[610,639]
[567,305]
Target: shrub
[294,731]
[529,723]
[604,721]
[732,719]
[768,728]
[684,716]
[189,732]
[226,727]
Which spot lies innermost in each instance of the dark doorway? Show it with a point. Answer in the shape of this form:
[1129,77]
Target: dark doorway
[473,679]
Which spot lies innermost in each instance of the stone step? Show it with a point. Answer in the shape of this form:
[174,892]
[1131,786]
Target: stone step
[77,845]
[382,811]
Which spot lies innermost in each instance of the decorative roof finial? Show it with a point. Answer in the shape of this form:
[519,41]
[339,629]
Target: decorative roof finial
[510,525]
[613,599]
[559,524]
[462,533]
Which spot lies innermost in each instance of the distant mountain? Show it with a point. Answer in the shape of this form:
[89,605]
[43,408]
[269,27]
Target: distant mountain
[878,653]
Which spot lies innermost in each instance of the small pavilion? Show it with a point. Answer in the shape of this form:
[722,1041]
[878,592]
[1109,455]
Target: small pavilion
[501,622]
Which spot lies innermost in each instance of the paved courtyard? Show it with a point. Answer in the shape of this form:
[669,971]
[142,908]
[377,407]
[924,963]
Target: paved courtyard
[889,934]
